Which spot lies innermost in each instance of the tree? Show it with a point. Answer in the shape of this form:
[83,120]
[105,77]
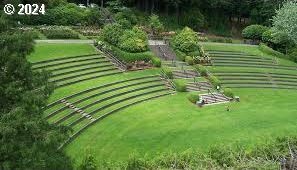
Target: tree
[156,25]
[285,20]
[27,140]
[89,163]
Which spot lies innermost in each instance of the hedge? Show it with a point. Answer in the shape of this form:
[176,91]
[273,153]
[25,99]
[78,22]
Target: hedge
[157,62]
[193,97]
[180,85]
[168,72]
[228,92]
[131,57]
[189,60]
[202,70]
[214,81]
[180,55]
[59,33]
[265,49]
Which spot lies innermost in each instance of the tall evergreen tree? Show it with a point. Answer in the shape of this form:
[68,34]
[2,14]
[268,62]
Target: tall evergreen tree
[27,140]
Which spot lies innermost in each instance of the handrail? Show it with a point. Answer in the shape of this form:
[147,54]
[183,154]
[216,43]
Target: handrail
[168,79]
[116,60]
[212,95]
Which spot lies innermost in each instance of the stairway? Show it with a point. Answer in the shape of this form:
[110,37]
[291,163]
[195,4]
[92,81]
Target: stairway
[214,98]
[162,50]
[198,86]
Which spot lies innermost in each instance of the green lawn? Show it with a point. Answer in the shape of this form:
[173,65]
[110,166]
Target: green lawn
[45,51]
[172,123]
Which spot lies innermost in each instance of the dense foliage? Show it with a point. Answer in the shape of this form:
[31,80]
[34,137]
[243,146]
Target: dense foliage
[254,32]
[186,41]
[193,97]
[134,40]
[155,24]
[180,85]
[286,19]
[59,33]
[111,33]
[27,140]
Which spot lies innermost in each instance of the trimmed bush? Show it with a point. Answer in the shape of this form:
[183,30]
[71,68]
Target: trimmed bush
[180,85]
[134,41]
[193,97]
[59,33]
[265,49]
[202,70]
[186,41]
[189,60]
[293,55]
[254,32]
[111,33]
[180,55]
[228,92]
[214,81]
[155,24]
[156,62]
[168,72]
[131,57]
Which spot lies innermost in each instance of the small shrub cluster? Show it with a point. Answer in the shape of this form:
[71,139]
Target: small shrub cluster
[293,55]
[254,32]
[186,41]
[156,62]
[134,41]
[193,97]
[265,49]
[111,33]
[131,57]
[214,81]
[155,25]
[180,55]
[189,60]
[202,70]
[59,33]
[228,92]
[220,39]
[180,85]
[168,72]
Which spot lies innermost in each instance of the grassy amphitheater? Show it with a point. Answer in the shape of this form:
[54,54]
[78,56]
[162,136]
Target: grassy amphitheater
[116,113]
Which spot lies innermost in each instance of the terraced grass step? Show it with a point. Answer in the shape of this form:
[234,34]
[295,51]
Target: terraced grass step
[63,58]
[95,112]
[66,67]
[61,62]
[235,62]
[85,126]
[258,66]
[92,102]
[58,74]
[261,86]
[224,52]
[81,74]
[57,102]
[242,59]
[251,73]
[88,77]
[80,99]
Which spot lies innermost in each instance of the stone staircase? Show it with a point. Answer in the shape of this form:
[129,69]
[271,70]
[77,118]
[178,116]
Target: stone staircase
[162,50]
[214,98]
[198,86]
[185,74]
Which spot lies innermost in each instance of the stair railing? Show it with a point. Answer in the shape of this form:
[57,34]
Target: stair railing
[168,80]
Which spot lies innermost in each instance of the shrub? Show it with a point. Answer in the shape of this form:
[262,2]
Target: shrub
[214,81]
[111,33]
[59,33]
[254,32]
[131,57]
[220,39]
[265,49]
[125,23]
[267,36]
[180,85]
[186,41]
[189,60]
[202,70]
[156,25]
[134,40]
[180,55]
[156,62]
[126,14]
[168,72]
[229,93]
[193,97]
[293,55]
